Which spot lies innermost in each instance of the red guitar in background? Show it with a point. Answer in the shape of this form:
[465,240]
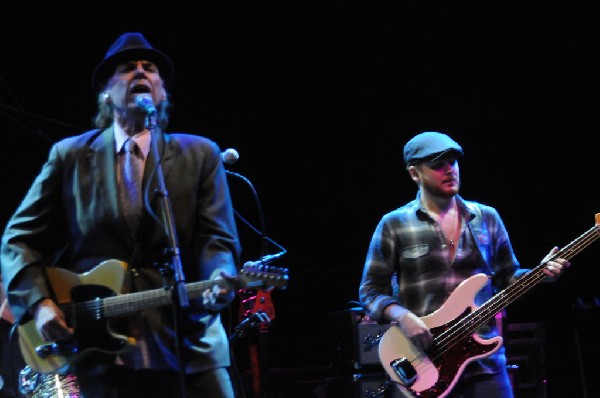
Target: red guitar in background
[256,309]
[256,313]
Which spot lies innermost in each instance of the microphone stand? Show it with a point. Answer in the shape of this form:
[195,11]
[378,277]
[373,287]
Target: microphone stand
[179,292]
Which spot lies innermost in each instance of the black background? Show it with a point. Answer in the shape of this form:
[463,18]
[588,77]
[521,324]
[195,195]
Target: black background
[319,98]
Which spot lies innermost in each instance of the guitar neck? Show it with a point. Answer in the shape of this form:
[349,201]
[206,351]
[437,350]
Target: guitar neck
[108,279]
[528,281]
[133,302]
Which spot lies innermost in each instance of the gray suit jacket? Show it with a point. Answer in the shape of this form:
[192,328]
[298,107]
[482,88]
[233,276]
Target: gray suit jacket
[70,218]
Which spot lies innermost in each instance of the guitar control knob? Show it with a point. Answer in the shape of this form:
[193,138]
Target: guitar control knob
[44,350]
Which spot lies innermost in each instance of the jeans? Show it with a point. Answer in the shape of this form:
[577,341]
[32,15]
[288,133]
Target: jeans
[484,386]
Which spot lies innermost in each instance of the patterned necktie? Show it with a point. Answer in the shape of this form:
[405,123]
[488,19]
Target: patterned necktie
[131,184]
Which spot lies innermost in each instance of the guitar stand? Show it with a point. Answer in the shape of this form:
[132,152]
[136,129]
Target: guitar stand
[252,322]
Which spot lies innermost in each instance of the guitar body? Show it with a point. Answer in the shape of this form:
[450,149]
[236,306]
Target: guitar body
[92,299]
[437,372]
[91,333]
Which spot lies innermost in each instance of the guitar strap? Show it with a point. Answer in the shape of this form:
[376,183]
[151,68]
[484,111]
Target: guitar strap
[481,234]
[129,283]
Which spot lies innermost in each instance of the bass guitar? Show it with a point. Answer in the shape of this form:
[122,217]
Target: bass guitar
[433,374]
[89,300]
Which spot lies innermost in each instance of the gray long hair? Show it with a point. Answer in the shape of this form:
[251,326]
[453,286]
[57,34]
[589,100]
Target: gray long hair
[105,116]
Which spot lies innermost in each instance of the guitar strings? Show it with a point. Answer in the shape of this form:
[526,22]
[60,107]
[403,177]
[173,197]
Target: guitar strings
[514,291]
[456,333]
[106,307]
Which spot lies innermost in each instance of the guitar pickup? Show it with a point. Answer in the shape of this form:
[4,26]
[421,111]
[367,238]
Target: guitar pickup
[404,370]
[62,349]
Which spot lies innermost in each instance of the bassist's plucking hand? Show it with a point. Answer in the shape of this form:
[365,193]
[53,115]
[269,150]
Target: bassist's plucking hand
[415,329]
[411,325]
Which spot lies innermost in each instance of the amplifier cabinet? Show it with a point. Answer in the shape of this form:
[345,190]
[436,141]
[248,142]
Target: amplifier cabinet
[369,335]
[354,342]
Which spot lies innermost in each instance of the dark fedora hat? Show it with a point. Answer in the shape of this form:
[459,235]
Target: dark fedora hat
[131,46]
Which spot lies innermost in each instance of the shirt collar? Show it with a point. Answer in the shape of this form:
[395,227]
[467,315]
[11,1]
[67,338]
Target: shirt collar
[463,208]
[142,139]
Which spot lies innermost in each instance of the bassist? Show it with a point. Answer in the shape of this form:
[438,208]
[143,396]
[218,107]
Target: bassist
[427,248]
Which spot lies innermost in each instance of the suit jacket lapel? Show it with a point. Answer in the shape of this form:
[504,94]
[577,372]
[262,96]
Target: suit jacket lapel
[150,176]
[102,162]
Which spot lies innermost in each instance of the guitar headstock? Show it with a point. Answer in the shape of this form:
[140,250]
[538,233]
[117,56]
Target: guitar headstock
[258,276]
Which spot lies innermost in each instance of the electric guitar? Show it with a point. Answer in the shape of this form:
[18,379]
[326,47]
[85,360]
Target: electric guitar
[433,374]
[89,300]
[254,302]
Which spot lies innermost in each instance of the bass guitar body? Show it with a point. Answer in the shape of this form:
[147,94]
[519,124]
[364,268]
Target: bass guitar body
[434,373]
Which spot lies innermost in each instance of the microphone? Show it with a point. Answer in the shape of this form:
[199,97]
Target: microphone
[145,102]
[264,260]
[230,156]
[269,258]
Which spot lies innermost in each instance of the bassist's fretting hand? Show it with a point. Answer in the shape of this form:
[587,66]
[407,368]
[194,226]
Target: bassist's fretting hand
[556,267]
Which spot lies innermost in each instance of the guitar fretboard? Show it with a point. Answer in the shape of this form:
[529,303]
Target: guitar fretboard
[473,321]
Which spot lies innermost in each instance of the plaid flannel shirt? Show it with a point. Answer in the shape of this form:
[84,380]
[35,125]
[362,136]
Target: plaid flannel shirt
[408,264]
